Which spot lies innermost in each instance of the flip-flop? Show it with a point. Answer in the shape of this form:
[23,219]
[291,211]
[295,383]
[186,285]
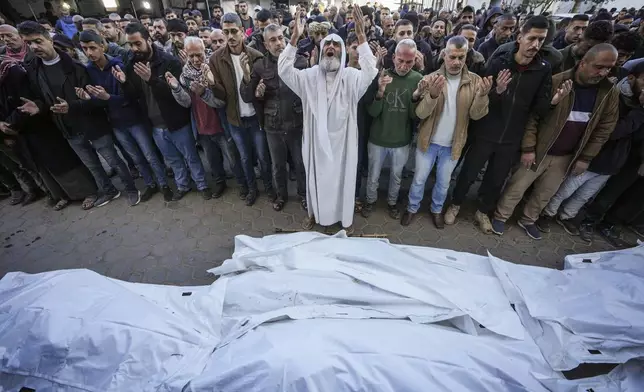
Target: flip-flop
[61,204]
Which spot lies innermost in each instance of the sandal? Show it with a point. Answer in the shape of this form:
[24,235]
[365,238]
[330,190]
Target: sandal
[357,207]
[304,204]
[278,205]
[61,204]
[88,202]
[308,223]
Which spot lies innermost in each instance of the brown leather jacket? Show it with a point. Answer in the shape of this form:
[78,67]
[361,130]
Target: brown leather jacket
[469,105]
[541,134]
[225,87]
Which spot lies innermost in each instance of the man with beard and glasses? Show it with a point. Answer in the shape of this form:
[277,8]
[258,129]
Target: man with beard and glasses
[583,114]
[192,90]
[521,88]
[55,78]
[129,126]
[331,93]
[501,33]
[282,116]
[394,113]
[246,20]
[178,31]
[230,65]
[161,36]
[146,78]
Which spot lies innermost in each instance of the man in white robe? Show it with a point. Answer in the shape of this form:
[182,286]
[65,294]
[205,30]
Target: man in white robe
[330,93]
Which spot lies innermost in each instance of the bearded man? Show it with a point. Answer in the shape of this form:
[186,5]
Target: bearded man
[330,94]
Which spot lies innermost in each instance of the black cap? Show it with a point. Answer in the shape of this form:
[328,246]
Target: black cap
[63,40]
[177,26]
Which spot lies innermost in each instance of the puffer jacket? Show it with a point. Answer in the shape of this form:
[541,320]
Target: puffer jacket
[281,108]
[542,132]
[469,105]
[529,92]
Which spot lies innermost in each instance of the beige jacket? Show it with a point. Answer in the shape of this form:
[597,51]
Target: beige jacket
[469,106]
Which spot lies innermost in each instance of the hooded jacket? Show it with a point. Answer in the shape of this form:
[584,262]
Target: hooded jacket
[529,92]
[485,29]
[67,26]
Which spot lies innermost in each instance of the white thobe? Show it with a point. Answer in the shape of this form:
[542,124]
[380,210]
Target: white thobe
[330,143]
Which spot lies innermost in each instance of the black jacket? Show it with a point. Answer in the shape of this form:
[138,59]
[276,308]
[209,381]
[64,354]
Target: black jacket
[488,47]
[256,41]
[629,130]
[281,107]
[529,92]
[174,115]
[560,41]
[87,118]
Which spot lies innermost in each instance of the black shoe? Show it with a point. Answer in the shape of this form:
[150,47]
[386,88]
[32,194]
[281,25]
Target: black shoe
[31,197]
[271,195]
[148,192]
[106,198]
[544,223]
[367,209]
[407,218]
[179,194]
[439,222]
[251,198]
[206,193]
[568,225]
[612,235]
[133,198]
[586,232]
[243,193]
[16,197]
[219,190]
[394,212]
[167,193]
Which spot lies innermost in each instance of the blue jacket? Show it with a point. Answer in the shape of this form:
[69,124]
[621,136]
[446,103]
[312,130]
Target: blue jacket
[122,112]
[66,26]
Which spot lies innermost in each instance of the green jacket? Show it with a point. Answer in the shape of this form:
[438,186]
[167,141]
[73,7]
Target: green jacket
[394,114]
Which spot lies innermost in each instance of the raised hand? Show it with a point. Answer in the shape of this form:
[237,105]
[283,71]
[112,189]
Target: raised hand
[245,64]
[419,61]
[183,56]
[527,159]
[207,72]
[29,107]
[503,80]
[485,86]
[436,85]
[563,90]
[98,92]
[6,128]
[313,59]
[118,74]
[358,19]
[383,81]
[143,70]
[261,89]
[62,107]
[380,55]
[298,29]
[172,81]
[197,88]
[82,94]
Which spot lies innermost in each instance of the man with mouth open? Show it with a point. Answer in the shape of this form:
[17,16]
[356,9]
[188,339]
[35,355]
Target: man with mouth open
[330,93]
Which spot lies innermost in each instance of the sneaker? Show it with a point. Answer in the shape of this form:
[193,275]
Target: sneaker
[148,192]
[586,232]
[179,194]
[219,190]
[613,236]
[531,230]
[243,193]
[251,198]
[167,193]
[498,227]
[483,221]
[439,221]
[31,197]
[568,225]
[206,193]
[450,215]
[394,212]
[106,198]
[544,223]
[133,198]
[16,197]
[367,209]
[407,218]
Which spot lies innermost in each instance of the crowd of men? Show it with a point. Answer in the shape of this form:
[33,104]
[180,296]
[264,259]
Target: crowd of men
[544,113]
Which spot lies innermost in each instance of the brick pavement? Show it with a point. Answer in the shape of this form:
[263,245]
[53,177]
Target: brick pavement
[175,243]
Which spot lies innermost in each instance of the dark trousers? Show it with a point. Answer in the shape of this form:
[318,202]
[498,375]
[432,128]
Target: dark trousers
[279,145]
[13,173]
[363,161]
[620,201]
[216,148]
[500,158]
[250,139]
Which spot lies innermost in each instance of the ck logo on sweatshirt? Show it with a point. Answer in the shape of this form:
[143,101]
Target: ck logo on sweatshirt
[396,99]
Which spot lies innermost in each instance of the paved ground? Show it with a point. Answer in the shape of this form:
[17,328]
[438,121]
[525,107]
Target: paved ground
[174,243]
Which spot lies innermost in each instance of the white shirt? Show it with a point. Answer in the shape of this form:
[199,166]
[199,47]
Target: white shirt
[245,109]
[447,122]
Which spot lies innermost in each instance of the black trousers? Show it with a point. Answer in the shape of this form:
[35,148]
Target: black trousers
[13,169]
[279,145]
[500,157]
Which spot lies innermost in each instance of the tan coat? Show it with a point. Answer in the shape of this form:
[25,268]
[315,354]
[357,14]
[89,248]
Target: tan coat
[541,134]
[225,87]
[469,105]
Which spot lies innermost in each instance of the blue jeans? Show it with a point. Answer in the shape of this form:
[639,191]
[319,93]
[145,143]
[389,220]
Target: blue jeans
[138,144]
[377,156]
[442,156]
[216,147]
[248,138]
[178,148]
[104,145]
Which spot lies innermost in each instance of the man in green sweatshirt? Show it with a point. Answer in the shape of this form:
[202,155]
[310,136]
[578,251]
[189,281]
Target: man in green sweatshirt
[393,112]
